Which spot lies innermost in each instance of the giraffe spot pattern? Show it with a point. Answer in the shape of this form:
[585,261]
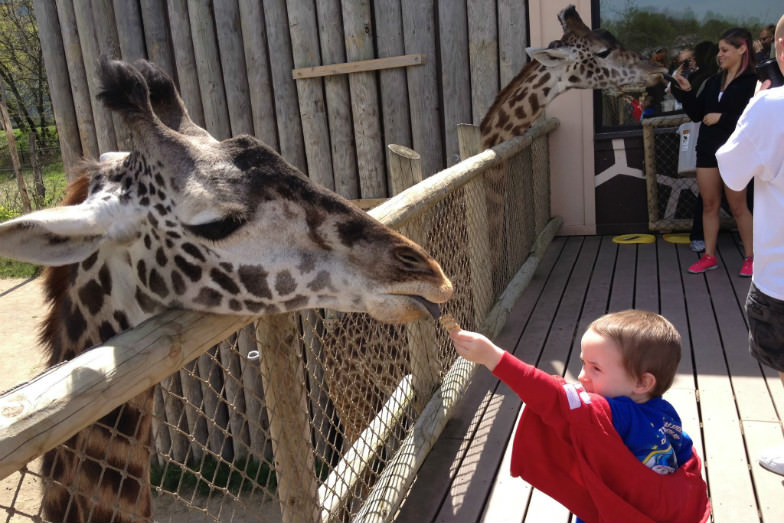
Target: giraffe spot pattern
[192,271]
[322,281]
[224,281]
[91,296]
[284,283]
[209,297]
[178,283]
[158,284]
[255,281]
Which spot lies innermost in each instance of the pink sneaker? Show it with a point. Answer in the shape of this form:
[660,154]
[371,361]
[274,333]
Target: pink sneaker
[706,263]
[747,269]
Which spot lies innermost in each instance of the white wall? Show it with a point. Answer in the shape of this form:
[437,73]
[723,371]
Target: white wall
[572,144]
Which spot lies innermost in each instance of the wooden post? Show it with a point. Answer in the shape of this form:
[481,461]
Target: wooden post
[257,64]
[38,177]
[232,58]
[392,83]
[104,126]
[419,31]
[103,19]
[651,184]
[312,106]
[455,73]
[483,56]
[83,108]
[213,95]
[476,222]
[405,169]
[9,133]
[186,75]
[336,89]
[364,100]
[232,390]
[287,114]
[254,394]
[283,380]
[59,85]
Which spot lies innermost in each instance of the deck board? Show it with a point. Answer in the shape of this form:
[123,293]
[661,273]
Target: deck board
[729,404]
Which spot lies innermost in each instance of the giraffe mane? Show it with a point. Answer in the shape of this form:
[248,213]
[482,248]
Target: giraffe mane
[56,280]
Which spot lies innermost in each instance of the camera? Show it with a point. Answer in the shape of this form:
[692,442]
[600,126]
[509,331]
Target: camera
[769,70]
[687,68]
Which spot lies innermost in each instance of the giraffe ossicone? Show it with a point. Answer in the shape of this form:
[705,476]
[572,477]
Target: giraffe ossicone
[187,221]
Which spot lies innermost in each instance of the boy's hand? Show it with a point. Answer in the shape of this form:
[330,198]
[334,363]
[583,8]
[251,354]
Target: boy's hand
[476,348]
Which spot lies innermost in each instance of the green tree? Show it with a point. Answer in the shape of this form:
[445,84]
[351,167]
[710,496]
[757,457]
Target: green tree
[22,69]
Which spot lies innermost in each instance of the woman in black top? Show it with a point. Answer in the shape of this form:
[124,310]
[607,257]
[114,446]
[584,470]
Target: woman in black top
[719,105]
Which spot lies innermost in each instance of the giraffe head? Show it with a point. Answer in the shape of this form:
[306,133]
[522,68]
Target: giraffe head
[581,59]
[227,227]
[592,59]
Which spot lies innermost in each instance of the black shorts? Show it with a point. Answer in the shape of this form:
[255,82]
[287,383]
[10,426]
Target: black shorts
[766,328]
[707,159]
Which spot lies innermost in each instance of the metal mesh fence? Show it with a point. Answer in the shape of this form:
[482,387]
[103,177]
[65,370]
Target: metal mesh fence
[672,196]
[298,417]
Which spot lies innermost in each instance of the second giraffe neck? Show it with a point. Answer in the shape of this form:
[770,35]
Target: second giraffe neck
[518,105]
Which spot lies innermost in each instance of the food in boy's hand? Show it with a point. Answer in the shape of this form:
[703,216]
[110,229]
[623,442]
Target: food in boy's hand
[449,323]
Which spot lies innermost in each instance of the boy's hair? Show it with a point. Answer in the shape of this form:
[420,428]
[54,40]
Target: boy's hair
[648,343]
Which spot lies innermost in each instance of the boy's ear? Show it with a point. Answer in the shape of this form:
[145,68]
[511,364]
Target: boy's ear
[646,383]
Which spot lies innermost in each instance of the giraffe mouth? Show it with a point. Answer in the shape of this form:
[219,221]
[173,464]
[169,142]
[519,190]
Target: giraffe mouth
[431,307]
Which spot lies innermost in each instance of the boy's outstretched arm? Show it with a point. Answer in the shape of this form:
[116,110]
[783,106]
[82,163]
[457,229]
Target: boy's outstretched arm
[477,348]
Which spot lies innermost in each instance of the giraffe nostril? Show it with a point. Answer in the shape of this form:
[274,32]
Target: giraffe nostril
[411,259]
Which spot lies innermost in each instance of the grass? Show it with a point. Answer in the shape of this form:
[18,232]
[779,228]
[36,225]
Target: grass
[11,207]
[241,476]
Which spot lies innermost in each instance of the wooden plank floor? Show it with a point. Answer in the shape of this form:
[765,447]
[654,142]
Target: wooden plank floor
[729,404]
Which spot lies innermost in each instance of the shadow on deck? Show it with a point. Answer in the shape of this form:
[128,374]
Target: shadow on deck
[728,403]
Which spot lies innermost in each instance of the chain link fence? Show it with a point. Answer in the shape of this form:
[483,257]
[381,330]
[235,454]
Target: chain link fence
[326,416]
[672,196]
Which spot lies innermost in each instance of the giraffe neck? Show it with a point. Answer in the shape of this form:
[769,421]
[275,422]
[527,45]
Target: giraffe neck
[519,104]
[106,464]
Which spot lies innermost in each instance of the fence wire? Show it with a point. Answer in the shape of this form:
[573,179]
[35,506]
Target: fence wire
[672,196]
[257,425]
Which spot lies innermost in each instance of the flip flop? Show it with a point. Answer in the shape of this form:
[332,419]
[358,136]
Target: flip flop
[634,238]
[681,237]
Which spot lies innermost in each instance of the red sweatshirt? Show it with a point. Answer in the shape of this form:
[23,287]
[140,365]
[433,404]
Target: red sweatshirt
[571,451]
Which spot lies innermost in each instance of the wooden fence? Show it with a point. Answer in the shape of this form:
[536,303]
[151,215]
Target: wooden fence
[401,71]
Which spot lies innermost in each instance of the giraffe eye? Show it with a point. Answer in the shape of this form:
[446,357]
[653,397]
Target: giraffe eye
[218,229]
[603,54]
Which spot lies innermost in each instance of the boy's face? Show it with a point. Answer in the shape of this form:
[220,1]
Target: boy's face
[603,371]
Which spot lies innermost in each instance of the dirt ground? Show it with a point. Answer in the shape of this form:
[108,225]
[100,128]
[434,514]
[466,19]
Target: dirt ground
[21,309]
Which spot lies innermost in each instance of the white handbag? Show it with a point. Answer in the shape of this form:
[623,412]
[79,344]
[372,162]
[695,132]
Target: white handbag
[687,153]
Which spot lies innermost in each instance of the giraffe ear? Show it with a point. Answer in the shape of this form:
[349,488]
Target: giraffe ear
[548,56]
[56,236]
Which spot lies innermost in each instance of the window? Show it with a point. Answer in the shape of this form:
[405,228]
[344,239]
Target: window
[664,30]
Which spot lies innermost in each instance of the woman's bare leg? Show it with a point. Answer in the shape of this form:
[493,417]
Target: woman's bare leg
[743,219]
[710,184]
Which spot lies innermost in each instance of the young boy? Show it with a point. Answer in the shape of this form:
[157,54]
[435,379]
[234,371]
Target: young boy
[609,448]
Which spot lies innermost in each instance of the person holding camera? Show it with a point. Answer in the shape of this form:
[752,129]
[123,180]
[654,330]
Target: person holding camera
[754,151]
[718,106]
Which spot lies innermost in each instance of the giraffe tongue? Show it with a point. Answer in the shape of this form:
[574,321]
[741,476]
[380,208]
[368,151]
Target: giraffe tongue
[431,307]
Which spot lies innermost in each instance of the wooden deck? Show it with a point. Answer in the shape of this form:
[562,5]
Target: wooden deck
[729,404]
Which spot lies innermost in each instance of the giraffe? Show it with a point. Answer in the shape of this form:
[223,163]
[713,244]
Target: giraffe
[186,221]
[581,59]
